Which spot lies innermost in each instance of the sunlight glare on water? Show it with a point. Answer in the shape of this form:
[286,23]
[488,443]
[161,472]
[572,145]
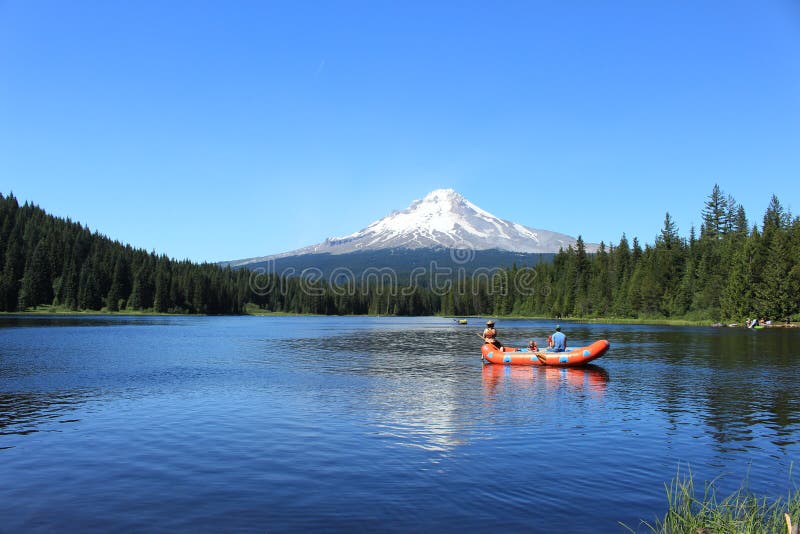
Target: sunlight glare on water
[342,423]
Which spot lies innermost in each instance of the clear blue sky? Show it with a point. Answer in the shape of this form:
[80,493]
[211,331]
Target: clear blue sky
[223,130]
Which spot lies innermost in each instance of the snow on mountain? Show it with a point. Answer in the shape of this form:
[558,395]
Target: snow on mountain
[443,219]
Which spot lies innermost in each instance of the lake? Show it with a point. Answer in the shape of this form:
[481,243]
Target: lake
[209,424]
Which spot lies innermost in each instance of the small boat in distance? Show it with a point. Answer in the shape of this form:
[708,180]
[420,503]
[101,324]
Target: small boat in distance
[462,321]
[569,358]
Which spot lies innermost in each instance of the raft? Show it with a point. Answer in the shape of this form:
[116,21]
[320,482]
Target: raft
[462,321]
[569,358]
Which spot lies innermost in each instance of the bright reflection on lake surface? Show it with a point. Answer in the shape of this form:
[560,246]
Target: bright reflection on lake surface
[390,424]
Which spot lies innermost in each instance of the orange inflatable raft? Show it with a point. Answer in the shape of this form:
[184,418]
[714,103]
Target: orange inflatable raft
[568,358]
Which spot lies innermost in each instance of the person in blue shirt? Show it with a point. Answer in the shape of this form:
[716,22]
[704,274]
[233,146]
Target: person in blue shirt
[559,340]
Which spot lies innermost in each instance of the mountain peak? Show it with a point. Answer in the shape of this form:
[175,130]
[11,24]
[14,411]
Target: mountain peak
[442,219]
[445,219]
[437,195]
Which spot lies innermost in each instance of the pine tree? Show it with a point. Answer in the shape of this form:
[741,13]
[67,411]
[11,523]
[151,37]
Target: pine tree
[69,286]
[581,305]
[715,215]
[636,251]
[669,237]
[161,301]
[740,222]
[730,215]
[118,281]
[776,217]
[600,299]
[36,282]
[738,297]
[13,270]
[89,297]
[775,296]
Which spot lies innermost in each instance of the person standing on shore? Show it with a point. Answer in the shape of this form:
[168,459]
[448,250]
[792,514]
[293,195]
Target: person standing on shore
[559,340]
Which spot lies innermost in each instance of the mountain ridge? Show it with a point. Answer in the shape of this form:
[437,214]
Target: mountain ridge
[443,219]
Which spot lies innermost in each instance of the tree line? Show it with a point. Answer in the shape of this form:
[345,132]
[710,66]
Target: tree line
[52,261]
[728,271]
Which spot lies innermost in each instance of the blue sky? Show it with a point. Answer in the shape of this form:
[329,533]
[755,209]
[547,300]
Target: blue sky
[223,130]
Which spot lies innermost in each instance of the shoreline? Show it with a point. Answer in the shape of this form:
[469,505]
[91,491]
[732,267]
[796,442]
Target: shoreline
[49,310]
[620,321]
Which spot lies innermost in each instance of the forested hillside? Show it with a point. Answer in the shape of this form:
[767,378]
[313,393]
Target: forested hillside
[49,260]
[727,271]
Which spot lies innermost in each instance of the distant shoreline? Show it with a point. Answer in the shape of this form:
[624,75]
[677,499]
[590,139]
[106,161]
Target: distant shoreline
[619,321]
[52,310]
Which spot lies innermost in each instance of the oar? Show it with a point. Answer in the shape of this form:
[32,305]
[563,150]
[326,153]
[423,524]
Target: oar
[542,357]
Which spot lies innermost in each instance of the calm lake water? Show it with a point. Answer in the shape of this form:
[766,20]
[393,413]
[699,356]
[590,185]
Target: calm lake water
[390,424]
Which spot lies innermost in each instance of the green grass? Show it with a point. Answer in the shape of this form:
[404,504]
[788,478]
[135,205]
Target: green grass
[689,511]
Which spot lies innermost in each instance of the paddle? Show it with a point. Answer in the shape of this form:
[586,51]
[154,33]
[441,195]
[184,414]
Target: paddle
[538,354]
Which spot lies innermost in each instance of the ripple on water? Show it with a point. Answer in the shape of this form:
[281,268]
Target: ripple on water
[376,424]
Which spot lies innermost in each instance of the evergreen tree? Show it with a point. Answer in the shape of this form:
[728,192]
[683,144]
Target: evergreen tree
[738,298]
[89,297]
[776,217]
[119,282]
[775,292]
[13,270]
[740,222]
[725,273]
[36,283]
[69,286]
[715,215]
[161,301]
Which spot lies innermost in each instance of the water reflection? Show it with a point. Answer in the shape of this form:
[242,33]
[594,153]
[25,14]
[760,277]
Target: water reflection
[731,380]
[344,417]
[31,321]
[592,378]
[416,385]
[432,421]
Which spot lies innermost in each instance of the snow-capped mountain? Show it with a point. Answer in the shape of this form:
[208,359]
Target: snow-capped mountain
[442,220]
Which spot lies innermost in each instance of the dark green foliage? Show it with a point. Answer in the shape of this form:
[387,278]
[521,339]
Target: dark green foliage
[89,297]
[37,287]
[726,273]
[716,215]
[48,260]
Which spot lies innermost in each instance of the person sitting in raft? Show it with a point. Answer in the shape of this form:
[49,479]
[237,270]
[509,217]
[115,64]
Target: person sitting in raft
[532,346]
[549,342]
[490,335]
[559,340]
